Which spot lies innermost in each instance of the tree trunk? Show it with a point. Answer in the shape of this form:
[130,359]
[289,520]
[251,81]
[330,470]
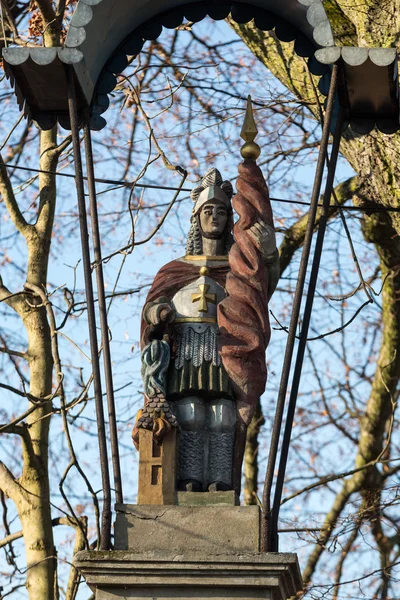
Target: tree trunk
[36,518]
[374,157]
[30,492]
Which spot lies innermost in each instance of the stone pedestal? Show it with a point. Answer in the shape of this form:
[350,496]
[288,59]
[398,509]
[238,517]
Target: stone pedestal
[189,552]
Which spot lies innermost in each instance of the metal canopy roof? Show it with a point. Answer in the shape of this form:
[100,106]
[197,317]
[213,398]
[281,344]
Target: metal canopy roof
[370,90]
[103,32]
[99,30]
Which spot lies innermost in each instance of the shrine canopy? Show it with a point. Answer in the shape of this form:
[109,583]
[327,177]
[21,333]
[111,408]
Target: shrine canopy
[103,33]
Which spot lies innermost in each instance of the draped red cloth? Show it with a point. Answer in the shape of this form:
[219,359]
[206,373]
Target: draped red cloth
[243,315]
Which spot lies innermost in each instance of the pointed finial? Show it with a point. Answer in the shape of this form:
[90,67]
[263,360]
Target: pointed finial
[249,131]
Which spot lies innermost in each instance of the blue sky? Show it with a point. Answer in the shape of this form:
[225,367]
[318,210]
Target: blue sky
[215,142]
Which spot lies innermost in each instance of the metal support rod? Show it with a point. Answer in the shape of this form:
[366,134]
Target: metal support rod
[265,522]
[304,332]
[105,475]
[102,312]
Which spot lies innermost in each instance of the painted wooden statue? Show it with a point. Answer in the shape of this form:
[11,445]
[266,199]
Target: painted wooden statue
[205,327]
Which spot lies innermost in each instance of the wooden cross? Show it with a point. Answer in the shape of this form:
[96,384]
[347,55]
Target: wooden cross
[203,297]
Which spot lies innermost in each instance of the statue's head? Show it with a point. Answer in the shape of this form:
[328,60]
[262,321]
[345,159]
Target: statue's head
[213,219]
[212,215]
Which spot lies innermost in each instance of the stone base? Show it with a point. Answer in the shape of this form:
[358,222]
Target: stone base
[164,575]
[212,529]
[209,552]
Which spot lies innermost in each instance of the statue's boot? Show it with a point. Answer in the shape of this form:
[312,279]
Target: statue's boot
[191,415]
[220,461]
[190,485]
[219,486]
[191,460]
[221,427]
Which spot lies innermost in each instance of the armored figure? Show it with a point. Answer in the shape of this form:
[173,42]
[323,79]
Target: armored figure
[205,329]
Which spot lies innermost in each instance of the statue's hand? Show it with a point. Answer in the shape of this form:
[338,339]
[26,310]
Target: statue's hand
[159,312]
[166,314]
[264,238]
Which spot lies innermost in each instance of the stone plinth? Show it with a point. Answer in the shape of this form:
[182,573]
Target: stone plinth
[210,529]
[189,553]
[164,575]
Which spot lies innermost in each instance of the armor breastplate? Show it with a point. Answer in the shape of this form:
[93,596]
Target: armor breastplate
[197,302]
[196,322]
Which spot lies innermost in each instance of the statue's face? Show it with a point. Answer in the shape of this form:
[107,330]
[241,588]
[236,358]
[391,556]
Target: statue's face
[213,219]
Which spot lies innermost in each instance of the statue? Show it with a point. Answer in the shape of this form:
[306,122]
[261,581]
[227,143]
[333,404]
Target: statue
[205,327]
